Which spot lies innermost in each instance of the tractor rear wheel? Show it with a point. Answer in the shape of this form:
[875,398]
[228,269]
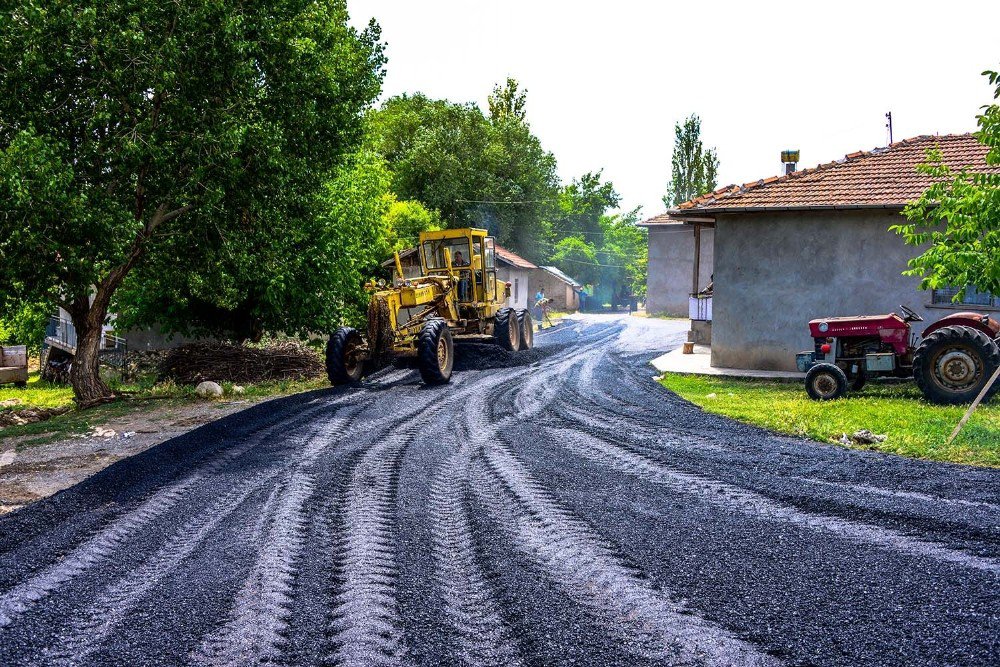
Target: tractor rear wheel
[825,382]
[505,330]
[526,328]
[435,352]
[954,363]
[343,363]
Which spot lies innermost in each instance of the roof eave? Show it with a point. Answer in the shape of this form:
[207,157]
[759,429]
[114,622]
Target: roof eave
[691,214]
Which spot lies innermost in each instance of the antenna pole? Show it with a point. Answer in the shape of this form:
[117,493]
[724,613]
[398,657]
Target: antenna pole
[888,124]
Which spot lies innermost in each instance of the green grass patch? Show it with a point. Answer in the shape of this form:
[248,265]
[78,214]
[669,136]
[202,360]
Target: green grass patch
[912,426]
[137,397]
[37,394]
[73,423]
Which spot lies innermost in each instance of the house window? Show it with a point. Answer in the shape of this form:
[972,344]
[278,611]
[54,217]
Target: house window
[516,281]
[972,297]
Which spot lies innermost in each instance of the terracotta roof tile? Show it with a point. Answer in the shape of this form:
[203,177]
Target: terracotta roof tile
[662,219]
[884,177]
[514,259]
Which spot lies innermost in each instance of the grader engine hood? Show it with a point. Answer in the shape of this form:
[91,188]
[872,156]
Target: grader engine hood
[416,295]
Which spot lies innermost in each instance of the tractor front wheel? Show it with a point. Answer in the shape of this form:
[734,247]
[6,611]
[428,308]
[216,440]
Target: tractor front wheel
[344,364]
[825,382]
[505,330]
[526,328]
[435,352]
[953,364]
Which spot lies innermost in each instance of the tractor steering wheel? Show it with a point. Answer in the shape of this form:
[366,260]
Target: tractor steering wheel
[909,315]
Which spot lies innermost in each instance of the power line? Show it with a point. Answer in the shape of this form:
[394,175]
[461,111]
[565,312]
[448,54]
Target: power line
[508,203]
[603,266]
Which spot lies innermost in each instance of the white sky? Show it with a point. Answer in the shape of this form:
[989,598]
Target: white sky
[607,80]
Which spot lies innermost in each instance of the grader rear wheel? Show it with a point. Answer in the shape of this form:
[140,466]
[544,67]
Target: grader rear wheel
[435,352]
[506,332]
[954,363]
[526,328]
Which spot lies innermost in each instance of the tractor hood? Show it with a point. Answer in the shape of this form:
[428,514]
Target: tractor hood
[861,325]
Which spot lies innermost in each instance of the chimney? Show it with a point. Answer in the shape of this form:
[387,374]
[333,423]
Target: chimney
[789,158]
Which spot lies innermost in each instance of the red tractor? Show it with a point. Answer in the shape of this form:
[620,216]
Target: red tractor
[952,361]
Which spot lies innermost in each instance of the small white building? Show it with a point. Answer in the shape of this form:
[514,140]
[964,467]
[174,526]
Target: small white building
[518,271]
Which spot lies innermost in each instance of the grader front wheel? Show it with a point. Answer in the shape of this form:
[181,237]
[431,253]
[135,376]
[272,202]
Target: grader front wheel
[343,361]
[435,352]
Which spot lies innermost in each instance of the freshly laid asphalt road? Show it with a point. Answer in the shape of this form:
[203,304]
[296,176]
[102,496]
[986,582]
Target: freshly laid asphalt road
[554,507]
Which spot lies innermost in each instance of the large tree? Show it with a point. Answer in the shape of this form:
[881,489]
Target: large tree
[958,217]
[694,168]
[582,203]
[474,169]
[130,126]
[272,272]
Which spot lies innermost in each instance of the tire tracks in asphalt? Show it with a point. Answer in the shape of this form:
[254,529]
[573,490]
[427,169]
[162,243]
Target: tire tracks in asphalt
[257,625]
[574,557]
[482,636]
[729,497]
[100,546]
[589,571]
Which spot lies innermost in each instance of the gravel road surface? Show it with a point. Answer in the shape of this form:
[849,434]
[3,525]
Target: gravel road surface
[554,507]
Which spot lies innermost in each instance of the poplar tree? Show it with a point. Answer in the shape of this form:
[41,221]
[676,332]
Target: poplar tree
[694,168]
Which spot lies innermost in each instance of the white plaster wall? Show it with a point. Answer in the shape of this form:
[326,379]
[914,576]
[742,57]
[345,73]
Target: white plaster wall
[519,279]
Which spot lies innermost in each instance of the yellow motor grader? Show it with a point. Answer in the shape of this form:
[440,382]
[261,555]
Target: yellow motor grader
[457,297]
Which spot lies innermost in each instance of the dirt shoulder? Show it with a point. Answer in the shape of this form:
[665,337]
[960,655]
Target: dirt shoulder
[49,458]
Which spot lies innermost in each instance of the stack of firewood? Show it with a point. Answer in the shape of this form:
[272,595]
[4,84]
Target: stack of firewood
[226,362]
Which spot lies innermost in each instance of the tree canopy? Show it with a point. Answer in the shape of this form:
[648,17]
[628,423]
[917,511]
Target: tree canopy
[294,275]
[135,130]
[958,217]
[475,170]
[694,168]
[608,251]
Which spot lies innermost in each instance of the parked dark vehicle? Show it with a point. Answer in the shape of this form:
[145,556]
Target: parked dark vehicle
[952,361]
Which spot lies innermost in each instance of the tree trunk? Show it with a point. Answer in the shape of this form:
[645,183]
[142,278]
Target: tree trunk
[88,387]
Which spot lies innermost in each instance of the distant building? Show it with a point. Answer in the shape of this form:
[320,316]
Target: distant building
[519,272]
[563,290]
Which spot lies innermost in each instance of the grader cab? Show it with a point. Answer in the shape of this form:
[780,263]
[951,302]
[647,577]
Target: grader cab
[456,298]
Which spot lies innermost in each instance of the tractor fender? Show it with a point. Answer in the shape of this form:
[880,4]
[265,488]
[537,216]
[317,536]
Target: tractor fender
[987,324]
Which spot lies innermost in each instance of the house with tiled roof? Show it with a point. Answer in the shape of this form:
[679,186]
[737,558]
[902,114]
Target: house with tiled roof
[810,243]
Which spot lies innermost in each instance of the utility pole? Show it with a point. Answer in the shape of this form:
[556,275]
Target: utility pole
[888,125]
